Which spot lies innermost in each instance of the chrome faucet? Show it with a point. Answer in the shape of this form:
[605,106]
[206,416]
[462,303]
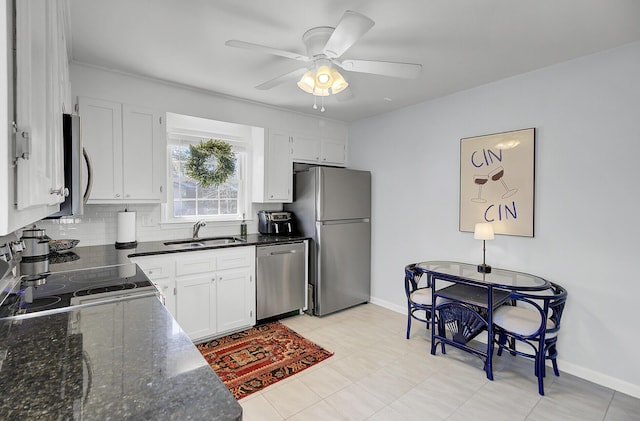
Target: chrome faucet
[197,226]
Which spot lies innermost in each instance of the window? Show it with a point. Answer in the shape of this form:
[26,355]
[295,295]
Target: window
[187,200]
[190,199]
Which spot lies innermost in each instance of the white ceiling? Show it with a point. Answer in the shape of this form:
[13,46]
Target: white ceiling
[459,43]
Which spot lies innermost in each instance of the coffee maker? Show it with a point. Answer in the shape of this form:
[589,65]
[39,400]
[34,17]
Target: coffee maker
[275,223]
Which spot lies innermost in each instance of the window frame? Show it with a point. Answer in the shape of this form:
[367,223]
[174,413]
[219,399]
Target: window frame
[239,144]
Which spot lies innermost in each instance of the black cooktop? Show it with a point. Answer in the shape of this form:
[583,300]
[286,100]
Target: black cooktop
[54,291]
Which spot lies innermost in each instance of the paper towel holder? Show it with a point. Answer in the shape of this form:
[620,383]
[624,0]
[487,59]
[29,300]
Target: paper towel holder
[128,244]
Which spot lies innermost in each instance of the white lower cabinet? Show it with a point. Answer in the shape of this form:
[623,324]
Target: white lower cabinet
[196,301]
[159,269]
[235,293]
[210,293]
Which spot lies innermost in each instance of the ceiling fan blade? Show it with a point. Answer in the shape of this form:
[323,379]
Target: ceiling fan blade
[384,68]
[351,27]
[264,49]
[287,77]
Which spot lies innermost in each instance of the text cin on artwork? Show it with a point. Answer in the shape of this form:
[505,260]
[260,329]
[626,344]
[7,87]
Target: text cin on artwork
[493,212]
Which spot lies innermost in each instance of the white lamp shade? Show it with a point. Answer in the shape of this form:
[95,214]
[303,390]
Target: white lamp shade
[483,231]
[339,84]
[317,91]
[307,82]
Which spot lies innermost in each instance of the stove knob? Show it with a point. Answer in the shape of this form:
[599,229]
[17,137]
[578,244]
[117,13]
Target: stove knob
[17,246]
[5,252]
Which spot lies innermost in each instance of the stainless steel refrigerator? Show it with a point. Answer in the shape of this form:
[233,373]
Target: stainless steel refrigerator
[333,207]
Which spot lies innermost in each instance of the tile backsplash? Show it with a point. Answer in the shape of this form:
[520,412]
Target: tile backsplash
[99,225]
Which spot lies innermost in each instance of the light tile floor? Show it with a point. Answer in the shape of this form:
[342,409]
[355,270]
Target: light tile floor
[376,374]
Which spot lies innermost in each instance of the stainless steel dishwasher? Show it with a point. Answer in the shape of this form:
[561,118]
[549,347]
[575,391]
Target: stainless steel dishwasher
[281,279]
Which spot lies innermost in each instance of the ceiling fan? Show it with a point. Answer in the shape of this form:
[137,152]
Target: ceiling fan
[325,45]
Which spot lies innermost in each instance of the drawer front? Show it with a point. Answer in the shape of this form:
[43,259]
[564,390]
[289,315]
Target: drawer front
[195,262]
[236,258]
[155,268]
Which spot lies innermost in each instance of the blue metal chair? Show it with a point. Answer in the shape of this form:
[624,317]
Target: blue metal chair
[419,298]
[533,319]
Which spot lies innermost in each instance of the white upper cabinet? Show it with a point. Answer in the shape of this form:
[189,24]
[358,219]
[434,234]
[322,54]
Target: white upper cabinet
[333,152]
[306,149]
[143,153]
[42,94]
[126,145]
[102,138]
[32,154]
[313,150]
[273,168]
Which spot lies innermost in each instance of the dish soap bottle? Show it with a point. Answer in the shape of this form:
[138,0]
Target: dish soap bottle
[243,226]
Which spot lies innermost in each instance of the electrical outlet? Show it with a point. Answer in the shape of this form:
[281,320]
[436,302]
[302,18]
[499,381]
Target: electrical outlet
[148,221]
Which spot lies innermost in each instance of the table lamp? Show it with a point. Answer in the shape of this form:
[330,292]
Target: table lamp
[483,231]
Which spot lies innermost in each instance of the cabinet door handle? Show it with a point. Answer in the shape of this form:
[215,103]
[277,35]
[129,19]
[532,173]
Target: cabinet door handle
[60,192]
[117,195]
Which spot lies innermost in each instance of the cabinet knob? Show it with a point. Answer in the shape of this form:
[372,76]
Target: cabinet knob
[117,195]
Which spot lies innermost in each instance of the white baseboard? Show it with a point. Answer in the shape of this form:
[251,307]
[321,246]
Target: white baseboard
[600,378]
[388,305]
[565,366]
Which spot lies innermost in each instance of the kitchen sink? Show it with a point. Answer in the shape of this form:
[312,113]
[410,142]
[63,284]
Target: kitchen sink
[204,242]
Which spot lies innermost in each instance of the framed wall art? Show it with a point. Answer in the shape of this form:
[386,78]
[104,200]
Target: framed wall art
[497,182]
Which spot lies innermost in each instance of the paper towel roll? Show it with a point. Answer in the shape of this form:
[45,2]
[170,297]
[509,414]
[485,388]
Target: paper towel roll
[126,228]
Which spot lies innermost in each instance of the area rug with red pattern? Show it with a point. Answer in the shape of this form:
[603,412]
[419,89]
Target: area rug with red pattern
[250,360]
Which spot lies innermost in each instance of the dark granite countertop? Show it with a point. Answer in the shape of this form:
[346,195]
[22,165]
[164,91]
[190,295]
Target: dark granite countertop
[123,360]
[108,255]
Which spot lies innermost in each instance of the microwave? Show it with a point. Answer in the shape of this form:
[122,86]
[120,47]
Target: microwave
[74,158]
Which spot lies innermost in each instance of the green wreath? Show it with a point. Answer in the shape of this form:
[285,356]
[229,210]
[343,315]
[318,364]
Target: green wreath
[211,162]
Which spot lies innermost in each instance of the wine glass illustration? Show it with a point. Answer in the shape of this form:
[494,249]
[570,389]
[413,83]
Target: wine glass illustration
[498,174]
[480,180]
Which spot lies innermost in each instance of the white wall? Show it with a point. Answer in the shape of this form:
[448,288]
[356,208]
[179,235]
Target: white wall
[587,193]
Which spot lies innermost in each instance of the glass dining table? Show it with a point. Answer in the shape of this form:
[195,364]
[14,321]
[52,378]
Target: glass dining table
[464,302]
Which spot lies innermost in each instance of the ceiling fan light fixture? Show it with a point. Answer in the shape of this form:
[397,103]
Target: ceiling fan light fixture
[339,84]
[323,77]
[307,82]
[321,91]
